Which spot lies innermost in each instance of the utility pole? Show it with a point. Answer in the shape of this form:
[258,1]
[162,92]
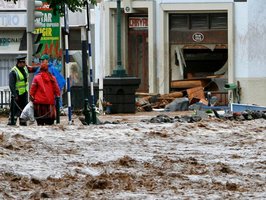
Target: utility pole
[84,44]
[33,21]
[93,109]
[66,24]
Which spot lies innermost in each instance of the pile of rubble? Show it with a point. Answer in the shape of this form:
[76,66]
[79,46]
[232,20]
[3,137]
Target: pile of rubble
[174,101]
[238,116]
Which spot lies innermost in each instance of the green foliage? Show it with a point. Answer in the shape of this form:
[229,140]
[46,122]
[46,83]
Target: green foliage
[73,5]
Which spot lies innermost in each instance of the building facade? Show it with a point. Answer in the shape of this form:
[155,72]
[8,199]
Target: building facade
[163,41]
[13,21]
[13,38]
[167,41]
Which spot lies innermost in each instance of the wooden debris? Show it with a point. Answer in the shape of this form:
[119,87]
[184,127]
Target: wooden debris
[143,94]
[196,92]
[152,100]
[186,84]
[172,95]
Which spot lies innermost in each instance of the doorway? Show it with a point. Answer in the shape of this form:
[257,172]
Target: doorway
[138,57]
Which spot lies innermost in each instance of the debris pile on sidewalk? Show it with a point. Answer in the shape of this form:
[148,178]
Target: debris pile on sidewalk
[194,99]
[174,101]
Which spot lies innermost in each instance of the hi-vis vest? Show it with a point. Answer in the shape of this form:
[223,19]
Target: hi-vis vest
[21,85]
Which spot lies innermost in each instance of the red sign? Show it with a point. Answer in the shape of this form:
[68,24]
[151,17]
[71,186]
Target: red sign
[138,22]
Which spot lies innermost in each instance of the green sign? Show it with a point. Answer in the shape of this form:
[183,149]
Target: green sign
[50,32]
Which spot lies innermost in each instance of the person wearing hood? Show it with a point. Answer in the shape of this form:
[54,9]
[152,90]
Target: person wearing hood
[52,69]
[43,91]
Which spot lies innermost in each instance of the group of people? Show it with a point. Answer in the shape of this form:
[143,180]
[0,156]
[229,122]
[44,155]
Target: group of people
[44,89]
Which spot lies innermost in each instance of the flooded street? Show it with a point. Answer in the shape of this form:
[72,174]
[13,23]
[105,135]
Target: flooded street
[134,159]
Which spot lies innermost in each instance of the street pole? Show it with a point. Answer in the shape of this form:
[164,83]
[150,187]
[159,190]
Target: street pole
[86,110]
[68,82]
[67,66]
[29,38]
[119,71]
[101,25]
[33,21]
[29,48]
[93,110]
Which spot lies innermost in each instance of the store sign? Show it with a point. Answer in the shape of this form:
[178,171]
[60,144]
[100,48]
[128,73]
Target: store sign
[6,41]
[10,41]
[50,33]
[138,22]
[51,24]
[50,30]
[198,37]
[10,5]
[12,19]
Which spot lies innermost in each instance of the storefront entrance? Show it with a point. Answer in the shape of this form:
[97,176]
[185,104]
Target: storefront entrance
[199,51]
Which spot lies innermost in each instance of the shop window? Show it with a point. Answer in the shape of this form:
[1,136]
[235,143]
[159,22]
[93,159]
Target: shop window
[179,21]
[199,21]
[218,21]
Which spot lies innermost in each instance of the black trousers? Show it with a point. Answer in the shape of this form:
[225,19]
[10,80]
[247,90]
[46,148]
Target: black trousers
[20,104]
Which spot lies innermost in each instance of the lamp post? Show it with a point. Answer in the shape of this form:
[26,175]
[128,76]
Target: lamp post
[120,70]
[119,88]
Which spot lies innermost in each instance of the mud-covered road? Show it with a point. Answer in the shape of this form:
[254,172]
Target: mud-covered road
[131,159]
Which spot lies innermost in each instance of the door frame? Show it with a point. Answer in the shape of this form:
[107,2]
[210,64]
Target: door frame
[110,44]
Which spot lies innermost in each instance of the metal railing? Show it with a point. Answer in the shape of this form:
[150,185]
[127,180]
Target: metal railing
[5,98]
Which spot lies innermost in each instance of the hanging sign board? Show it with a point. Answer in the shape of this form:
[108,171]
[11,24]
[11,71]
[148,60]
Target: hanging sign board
[50,32]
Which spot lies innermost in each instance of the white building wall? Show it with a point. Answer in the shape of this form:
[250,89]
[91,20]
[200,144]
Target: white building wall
[241,39]
[248,47]
[194,1]
[257,38]
[251,66]
[13,23]
[75,19]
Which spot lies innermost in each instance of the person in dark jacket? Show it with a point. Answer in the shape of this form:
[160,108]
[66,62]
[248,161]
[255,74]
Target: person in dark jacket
[18,84]
[43,91]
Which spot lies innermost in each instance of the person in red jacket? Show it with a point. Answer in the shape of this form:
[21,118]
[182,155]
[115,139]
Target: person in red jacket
[43,91]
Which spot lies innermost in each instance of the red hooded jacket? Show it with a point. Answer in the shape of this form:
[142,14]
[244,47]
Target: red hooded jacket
[44,88]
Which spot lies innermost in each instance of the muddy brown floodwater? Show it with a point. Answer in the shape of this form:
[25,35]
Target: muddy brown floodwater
[133,159]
